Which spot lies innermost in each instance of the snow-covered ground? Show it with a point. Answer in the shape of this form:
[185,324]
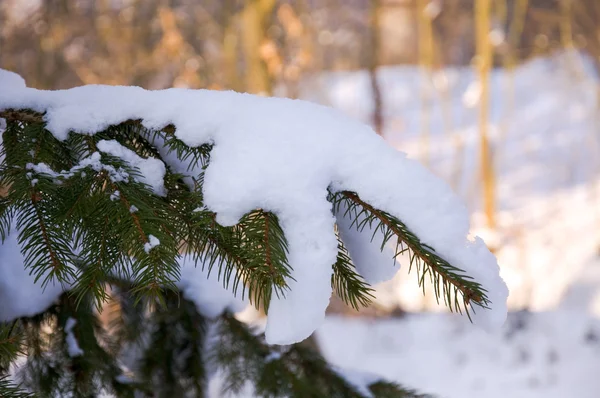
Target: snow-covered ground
[537,355]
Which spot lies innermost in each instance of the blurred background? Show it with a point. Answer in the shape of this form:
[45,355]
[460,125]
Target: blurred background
[500,98]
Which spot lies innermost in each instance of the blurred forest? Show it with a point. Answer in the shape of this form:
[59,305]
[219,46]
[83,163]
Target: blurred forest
[276,47]
[257,45]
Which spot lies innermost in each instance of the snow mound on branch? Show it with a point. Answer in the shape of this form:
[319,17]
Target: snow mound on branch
[11,81]
[282,155]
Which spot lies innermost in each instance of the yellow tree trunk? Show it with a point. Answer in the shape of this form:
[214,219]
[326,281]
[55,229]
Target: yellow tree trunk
[484,50]
[255,18]
[230,48]
[426,61]
[373,64]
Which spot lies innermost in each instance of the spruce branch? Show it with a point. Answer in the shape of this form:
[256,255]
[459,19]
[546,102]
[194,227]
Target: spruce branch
[154,267]
[36,197]
[208,243]
[52,370]
[268,259]
[347,283]
[6,215]
[250,258]
[386,389]
[64,212]
[263,236]
[449,281]
[46,249]
[10,345]
[173,359]
[460,291]
[30,199]
[136,220]
[241,252]
[132,129]
[8,389]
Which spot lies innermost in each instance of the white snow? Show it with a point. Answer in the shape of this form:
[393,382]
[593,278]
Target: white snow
[124,379]
[94,161]
[206,291]
[359,380]
[73,348]
[153,241]
[152,170]
[19,294]
[536,355]
[11,81]
[273,356]
[282,155]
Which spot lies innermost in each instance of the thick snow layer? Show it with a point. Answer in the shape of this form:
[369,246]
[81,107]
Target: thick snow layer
[19,294]
[11,81]
[282,155]
[206,291]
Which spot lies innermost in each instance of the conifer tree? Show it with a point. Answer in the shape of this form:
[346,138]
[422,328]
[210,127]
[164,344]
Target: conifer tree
[115,214]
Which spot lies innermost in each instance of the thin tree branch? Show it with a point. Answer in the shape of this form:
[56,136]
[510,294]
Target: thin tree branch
[420,252]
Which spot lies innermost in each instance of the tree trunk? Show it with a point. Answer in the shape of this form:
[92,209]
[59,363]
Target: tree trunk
[255,21]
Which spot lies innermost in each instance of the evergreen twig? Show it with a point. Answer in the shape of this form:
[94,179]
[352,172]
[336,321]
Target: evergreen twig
[454,282]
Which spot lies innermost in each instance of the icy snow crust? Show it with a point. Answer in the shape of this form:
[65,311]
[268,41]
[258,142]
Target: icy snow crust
[281,155]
